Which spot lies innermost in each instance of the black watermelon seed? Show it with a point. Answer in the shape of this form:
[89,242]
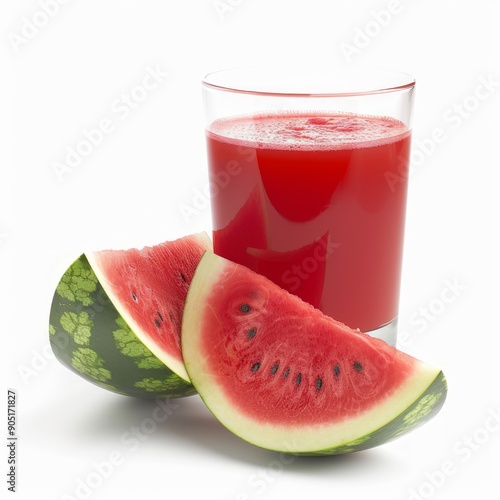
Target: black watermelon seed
[298,378]
[134,297]
[159,315]
[319,383]
[287,371]
[244,308]
[183,278]
[251,333]
[336,370]
[157,323]
[357,366]
[274,369]
[255,367]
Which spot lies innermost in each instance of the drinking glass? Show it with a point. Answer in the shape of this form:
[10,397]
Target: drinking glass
[308,171]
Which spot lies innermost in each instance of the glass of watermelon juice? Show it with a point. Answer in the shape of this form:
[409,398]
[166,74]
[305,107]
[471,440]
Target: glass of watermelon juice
[308,173]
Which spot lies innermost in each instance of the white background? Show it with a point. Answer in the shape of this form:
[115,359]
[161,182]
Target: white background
[70,72]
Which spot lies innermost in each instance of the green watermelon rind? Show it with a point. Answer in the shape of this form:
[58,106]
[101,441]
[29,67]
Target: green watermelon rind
[89,336]
[417,414]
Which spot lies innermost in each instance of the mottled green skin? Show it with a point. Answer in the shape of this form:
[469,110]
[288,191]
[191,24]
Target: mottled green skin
[88,335]
[426,406]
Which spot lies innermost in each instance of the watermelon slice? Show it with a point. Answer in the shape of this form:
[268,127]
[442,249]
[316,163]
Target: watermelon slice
[116,317]
[283,376]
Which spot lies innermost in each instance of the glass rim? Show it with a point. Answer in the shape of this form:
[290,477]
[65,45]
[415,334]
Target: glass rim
[308,80]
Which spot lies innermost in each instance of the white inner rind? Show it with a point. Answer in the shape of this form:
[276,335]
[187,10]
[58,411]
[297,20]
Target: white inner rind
[284,438]
[176,365]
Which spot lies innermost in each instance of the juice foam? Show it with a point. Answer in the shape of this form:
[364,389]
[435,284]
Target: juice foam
[294,131]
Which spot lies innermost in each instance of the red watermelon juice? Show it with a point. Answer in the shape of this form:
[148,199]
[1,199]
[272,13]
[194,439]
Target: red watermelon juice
[309,200]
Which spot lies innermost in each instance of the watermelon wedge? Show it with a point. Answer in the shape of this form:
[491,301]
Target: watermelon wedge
[116,317]
[283,376]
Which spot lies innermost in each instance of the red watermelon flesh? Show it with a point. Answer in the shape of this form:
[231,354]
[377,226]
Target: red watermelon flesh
[284,376]
[148,287]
